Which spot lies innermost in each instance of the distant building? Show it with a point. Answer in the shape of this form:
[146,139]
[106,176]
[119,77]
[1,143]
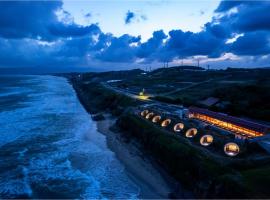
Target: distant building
[209,101]
[236,125]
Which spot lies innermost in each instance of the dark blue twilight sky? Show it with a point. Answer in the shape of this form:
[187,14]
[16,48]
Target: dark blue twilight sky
[49,34]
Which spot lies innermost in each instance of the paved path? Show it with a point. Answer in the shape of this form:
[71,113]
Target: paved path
[124,92]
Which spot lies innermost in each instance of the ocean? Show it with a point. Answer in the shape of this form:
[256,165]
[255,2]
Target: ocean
[50,147]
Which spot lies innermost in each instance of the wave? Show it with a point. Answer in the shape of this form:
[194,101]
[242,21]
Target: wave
[45,152]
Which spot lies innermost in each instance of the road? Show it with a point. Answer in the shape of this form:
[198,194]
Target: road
[150,102]
[124,92]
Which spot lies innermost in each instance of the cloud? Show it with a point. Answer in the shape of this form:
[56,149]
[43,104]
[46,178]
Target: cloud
[88,15]
[120,49]
[226,5]
[201,12]
[250,15]
[72,30]
[129,17]
[42,34]
[25,19]
[134,17]
[152,45]
[251,21]
[254,43]
[38,19]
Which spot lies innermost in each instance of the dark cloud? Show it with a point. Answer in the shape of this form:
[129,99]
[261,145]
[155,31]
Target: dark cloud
[25,19]
[72,30]
[252,16]
[255,43]
[35,36]
[122,49]
[134,17]
[88,15]
[226,5]
[186,44]
[152,45]
[250,19]
[129,16]
[37,19]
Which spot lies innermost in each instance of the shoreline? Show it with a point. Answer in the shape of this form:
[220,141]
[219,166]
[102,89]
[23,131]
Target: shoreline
[154,181]
[153,184]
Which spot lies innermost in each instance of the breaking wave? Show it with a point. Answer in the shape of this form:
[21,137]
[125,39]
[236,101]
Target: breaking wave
[50,147]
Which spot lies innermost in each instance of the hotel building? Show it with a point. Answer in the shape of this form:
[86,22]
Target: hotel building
[244,128]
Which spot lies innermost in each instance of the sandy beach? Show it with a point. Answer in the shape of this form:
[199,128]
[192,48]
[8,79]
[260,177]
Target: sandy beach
[154,182]
[139,168]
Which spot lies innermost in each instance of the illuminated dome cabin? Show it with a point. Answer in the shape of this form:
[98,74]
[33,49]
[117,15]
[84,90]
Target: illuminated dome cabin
[178,127]
[231,149]
[238,126]
[206,140]
[144,113]
[166,123]
[150,115]
[156,119]
[191,132]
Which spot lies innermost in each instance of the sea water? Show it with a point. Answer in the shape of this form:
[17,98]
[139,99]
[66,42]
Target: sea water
[50,147]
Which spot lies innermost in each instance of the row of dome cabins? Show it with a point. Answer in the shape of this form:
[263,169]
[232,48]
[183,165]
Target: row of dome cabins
[230,148]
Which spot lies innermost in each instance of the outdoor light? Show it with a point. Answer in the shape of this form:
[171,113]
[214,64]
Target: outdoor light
[206,140]
[156,119]
[144,113]
[149,115]
[231,149]
[178,127]
[191,132]
[165,122]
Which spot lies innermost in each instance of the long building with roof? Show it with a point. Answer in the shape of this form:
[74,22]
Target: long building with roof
[236,125]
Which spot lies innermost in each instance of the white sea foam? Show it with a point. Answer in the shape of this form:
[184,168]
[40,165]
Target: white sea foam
[48,137]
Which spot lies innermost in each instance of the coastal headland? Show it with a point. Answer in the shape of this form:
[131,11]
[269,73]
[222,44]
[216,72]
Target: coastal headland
[205,172]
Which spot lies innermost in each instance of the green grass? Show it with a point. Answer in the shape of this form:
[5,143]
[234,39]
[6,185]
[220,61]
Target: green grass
[257,181]
[97,98]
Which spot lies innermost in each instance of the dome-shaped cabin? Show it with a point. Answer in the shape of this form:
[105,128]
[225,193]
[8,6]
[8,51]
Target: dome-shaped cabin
[150,115]
[144,113]
[178,127]
[166,122]
[190,133]
[156,119]
[231,149]
[206,140]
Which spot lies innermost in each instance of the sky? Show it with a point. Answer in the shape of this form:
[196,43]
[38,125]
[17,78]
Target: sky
[149,15]
[124,34]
